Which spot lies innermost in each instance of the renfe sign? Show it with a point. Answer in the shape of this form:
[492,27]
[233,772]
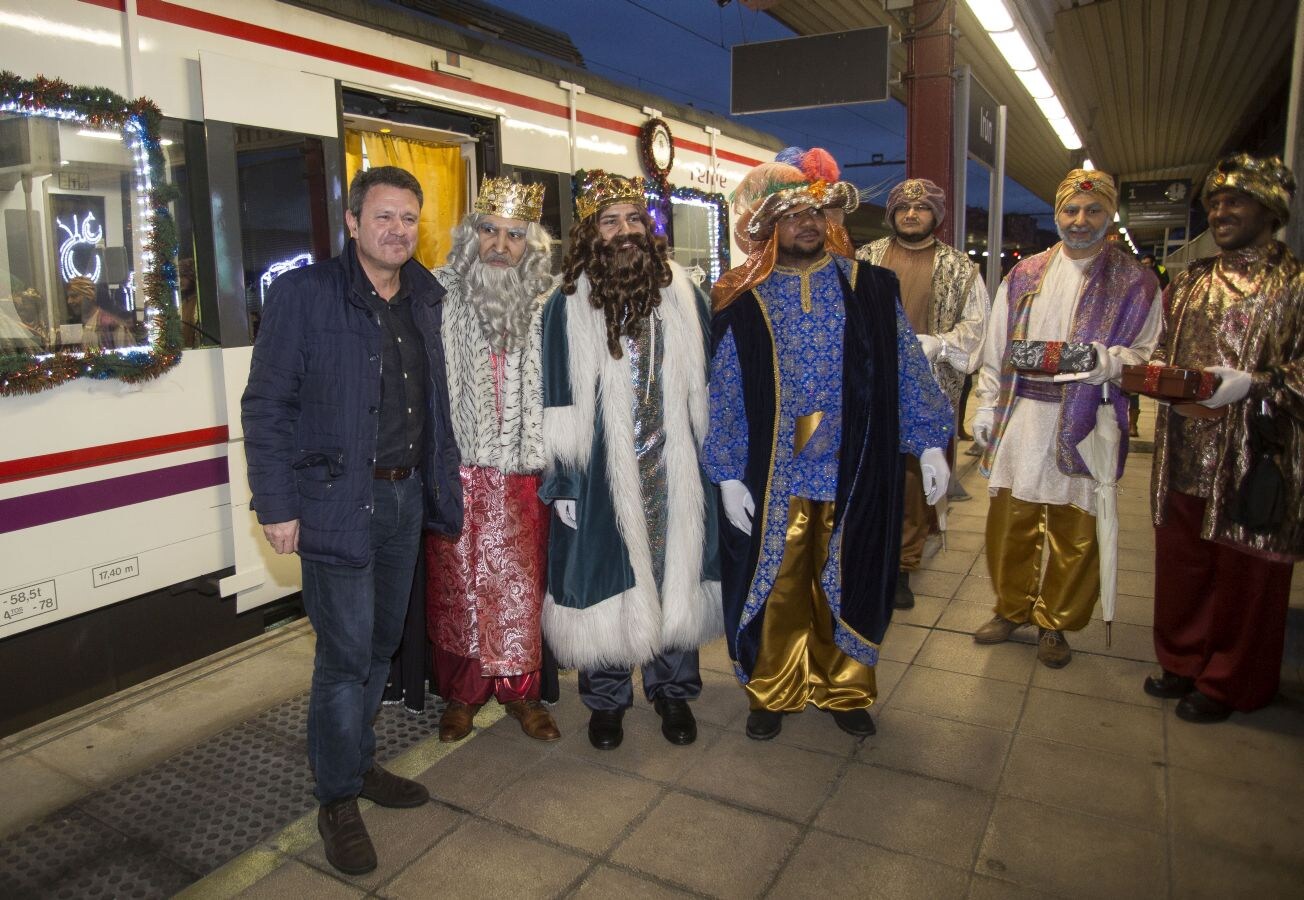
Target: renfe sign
[982,124]
[805,72]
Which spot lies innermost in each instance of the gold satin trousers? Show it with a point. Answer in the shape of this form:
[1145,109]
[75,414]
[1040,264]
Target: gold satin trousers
[1062,598]
[798,662]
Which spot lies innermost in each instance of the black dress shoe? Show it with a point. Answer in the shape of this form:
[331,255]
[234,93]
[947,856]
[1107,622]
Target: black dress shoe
[1169,685]
[905,598]
[855,722]
[1201,709]
[764,724]
[677,722]
[605,731]
[344,837]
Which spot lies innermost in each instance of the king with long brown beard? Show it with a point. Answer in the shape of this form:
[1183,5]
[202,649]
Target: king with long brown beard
[633,578]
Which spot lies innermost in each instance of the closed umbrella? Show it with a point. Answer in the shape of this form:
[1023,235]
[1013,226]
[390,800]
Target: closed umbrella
[1099,451]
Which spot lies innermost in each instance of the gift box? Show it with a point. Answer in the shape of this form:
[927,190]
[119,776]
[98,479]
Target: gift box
[1052,357]
[1169,383]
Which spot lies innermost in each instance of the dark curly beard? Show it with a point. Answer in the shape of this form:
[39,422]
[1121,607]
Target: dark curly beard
[625,278]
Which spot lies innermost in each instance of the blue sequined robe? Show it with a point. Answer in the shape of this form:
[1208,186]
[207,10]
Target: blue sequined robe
[785,350]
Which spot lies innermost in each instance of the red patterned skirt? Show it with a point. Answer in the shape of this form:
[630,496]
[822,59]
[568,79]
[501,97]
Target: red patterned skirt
[484,591]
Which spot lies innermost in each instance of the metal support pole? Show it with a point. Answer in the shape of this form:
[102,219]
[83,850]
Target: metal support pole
[130,35]
[1294,150]
[960,157]
[996,208]
[930,98]
[574,90]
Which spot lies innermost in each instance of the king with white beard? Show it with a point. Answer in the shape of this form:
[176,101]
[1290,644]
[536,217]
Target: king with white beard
[485,590]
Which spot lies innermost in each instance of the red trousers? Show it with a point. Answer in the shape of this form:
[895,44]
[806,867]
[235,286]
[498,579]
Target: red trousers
[1220,613]
[459,679]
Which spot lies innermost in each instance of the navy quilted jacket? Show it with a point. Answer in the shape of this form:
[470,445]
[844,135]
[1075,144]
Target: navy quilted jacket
[311,410]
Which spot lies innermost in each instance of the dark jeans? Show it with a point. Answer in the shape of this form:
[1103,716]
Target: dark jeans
[671,675]
[357,612]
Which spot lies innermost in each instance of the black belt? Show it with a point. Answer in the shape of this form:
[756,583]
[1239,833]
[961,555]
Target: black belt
[397,473]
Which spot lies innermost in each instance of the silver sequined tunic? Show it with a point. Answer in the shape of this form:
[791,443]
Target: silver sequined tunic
[646,352]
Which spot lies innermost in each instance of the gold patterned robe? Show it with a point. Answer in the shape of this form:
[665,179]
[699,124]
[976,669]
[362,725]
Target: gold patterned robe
[1243,309]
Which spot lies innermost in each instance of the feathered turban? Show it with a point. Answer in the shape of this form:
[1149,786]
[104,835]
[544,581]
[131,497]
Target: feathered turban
[796,178]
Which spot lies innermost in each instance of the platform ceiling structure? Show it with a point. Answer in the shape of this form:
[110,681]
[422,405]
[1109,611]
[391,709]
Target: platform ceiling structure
[1155,88]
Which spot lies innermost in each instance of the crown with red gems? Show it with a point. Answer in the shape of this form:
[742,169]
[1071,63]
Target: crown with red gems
[599,189]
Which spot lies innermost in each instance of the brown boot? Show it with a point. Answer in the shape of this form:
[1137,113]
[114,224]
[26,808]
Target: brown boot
[535,719]
[344,837]
[997,630]
[456,722]
[1052,649]
[384,788]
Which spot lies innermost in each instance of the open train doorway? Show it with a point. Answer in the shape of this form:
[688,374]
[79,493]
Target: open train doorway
[445,149]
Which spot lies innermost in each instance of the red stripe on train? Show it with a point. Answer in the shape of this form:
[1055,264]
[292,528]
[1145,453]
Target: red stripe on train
[86,457]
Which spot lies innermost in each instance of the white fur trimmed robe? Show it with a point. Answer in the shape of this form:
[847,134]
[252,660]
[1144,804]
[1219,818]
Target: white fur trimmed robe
[603,609]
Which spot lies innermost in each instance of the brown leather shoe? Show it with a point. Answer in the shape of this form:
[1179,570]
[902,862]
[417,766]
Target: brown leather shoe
[384,788]
[997,630]
[456,722]
[535,719]
[1052,649]
[344,837]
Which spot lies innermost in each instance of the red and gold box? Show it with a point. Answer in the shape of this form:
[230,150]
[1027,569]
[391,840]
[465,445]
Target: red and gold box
[1052,357]
[1169,383]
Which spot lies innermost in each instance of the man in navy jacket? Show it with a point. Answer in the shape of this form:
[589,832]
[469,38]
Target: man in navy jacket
[351,451]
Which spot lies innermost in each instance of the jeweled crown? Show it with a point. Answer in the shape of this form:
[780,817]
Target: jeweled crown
[510,199]
[600,189]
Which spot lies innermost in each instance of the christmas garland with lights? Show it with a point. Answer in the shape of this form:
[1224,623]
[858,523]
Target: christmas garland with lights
[102,109]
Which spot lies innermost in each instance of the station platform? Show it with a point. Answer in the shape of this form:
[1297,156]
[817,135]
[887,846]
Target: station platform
[990,776]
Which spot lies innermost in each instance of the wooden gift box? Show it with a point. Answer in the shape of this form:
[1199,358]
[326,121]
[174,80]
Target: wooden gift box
[1052,357]
[1169,383]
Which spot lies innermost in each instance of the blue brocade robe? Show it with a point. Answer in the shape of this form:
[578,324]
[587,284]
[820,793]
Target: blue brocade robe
[778,356]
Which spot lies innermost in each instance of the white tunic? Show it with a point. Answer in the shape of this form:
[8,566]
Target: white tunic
[1025,461]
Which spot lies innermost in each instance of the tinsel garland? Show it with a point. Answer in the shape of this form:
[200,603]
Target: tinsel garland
[102,109]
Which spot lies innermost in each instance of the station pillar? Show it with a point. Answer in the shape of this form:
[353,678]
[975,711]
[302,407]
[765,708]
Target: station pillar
[930,100]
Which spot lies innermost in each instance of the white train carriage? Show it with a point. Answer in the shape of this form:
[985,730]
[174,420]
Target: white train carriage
[124,522]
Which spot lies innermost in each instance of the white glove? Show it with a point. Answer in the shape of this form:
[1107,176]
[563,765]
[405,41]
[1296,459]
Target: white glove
[937,474]
[1108,366]
[738,505]
[930,345]
[983,422]
[1233,385]
[566,512]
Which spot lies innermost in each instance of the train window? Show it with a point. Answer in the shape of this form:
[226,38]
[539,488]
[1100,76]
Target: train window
[85,250]
[181,142]
[700,236]
[283,217]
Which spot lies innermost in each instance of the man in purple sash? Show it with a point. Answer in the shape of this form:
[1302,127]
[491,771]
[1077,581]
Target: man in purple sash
[1083,289]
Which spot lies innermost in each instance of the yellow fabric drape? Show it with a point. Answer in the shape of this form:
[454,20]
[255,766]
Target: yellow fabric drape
[440,170]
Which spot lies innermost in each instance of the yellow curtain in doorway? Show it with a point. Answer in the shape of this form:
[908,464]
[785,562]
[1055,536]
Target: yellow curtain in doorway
[441,172]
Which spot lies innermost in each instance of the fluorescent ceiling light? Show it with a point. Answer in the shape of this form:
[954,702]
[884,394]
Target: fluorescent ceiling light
[1067,134]
[1089,165]
[1051,108]
[991,14]
[1036,83]
[102,135]
[1014,49]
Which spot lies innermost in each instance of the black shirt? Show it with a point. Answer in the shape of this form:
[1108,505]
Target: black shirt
[402,376]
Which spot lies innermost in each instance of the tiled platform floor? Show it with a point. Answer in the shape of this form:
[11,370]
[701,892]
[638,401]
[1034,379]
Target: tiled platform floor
[991,776]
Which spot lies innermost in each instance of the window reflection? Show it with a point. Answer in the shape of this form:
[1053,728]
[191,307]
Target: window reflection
[68,236]
[283,221]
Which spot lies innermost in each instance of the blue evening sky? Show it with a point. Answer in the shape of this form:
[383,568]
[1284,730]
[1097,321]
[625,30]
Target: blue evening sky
[679,49]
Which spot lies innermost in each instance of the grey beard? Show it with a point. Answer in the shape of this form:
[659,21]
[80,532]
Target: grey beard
[501,303]
[1081,245]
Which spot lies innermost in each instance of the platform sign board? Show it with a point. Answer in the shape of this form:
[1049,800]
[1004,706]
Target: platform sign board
[1163,203]
[805,72]
[982,124]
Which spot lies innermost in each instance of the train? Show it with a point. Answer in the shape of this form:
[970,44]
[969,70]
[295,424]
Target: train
[127,546]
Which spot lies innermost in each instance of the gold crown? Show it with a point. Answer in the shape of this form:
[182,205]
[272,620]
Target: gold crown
[510,199]
[599,189]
